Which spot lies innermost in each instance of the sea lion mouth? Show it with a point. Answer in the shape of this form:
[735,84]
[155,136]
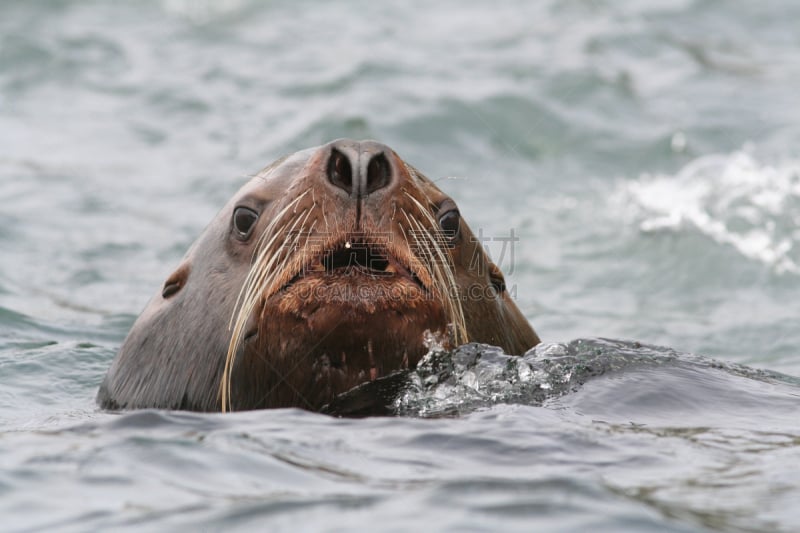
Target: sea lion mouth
[360,258]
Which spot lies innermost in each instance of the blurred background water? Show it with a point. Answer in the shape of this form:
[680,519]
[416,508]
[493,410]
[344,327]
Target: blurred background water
[644,152]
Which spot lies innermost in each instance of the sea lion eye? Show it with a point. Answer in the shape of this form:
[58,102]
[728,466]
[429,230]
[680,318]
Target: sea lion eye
[244,219]
[450,223]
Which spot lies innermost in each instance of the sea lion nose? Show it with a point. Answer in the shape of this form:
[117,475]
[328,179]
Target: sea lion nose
[359,168]
[379,173]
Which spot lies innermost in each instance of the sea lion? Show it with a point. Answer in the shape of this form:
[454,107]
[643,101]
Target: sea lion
[327,269]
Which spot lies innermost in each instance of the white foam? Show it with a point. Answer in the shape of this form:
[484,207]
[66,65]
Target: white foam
[733,199]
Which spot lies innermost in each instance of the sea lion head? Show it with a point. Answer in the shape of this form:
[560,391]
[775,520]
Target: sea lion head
[331,267]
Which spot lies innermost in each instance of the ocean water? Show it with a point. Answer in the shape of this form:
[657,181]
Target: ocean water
[644,153]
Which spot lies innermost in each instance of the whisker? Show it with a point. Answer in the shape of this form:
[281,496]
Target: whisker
[441,269]
[272,255]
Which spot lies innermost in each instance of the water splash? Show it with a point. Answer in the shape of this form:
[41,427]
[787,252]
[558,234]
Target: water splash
[476,376]
[733,199]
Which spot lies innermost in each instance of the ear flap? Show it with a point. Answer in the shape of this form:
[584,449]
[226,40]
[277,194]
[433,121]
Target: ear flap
[176,281]
[497,279]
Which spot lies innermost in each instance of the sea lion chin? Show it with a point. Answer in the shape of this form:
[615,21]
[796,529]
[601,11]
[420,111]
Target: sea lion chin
[329,268]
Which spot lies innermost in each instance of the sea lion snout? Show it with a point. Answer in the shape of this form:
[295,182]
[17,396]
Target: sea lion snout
[359,168]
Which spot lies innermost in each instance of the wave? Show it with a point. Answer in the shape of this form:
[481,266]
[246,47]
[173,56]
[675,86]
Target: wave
[733,199]
[647,383]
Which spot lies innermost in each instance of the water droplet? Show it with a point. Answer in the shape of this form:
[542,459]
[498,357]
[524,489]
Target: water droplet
[678,142]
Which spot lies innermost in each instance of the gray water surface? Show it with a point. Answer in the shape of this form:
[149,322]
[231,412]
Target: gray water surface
[643,152]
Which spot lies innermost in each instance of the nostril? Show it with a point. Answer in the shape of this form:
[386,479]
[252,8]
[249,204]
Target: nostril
[340,173]
[378,173]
